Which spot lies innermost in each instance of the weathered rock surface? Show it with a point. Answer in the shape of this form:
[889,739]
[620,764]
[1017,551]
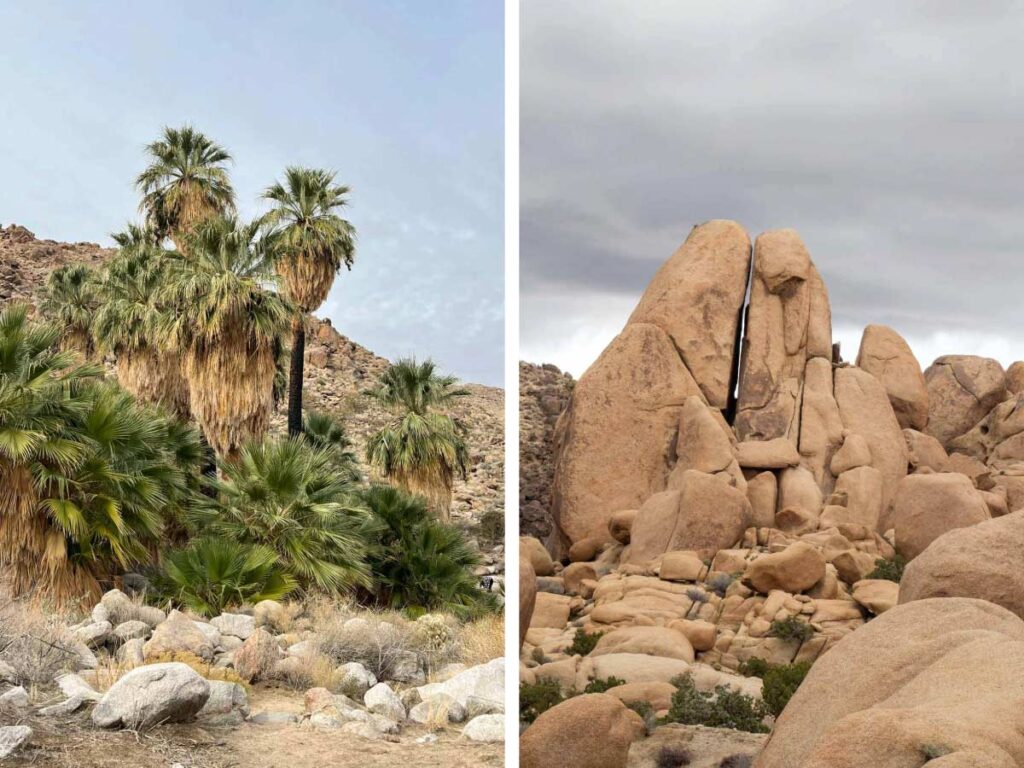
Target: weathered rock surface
[982,561]
[961,389]
[885,355]
[594,730]
[903,678]
[527,596]
[927,506]
[150,695]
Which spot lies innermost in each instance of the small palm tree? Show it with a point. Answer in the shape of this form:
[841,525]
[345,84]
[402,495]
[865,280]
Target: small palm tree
[310,242]
[70,300]
[185,183]
[126,322]
[212,574]
[325,434]
[421,449]
[226,326]
[286,495]
[87,476]
[417,561]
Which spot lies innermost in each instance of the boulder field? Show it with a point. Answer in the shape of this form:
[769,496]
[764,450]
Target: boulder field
[727,489]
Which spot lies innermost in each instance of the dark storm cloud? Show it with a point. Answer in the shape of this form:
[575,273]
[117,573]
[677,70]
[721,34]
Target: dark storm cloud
[889,135]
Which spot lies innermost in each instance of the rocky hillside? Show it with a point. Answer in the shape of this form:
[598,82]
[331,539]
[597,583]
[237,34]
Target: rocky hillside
[337,371]
[543,394]
[732,511]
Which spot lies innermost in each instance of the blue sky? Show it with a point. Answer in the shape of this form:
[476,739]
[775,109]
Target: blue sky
[403,100]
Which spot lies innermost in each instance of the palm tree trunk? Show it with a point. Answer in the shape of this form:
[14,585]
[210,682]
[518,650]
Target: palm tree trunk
[295,378]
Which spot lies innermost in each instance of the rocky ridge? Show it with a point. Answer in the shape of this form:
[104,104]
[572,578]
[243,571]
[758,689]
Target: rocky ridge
[726,490]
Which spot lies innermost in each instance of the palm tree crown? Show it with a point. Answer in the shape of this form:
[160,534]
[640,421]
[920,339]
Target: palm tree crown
[310,241]
[421,449]
[185,183]
[70,299]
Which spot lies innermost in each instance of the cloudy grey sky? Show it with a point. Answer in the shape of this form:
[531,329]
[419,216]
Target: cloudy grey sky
[403,99]
[890,135]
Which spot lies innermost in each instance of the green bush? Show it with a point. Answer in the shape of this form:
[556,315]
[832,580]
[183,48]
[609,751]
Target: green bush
[724,708]
[603,684]
[791,629]
[583,643]
[780,683]
[537,698]
[891,570]
[646,712]
[212,574]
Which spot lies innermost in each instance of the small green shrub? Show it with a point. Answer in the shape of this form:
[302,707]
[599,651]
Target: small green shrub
[673,756]
[935,751]
[603,684]
[754,667]
[538,698]
[791,629]
[583,643]
[780,683]
[491,525]
[724,708]
[537,654]
[646,712]
[891,570]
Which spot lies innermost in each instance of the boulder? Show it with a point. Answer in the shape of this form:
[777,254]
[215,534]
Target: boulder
[594,730]
[354,679]
[903,678]
[961,389]
[762,493]
[131,630]
[705,514]
[539,557]
[859,491]
[886,355]
[620,525]
[527,596]
[658,695]
[924,451]
[257,657]
[440,708]
[575,574]
[551,610]
[381,700]
[998,438]
[272,614]
[652,641]
[94,634]
[485,682]
[1015,378]
[927,506]
[178,634]
[72,685]
[586,549]
[877,595]
[697,298]
[235,624]
[798,489]
[703,443]
[821,425]
[865,410]
[486,729]
[150,695]
[855,452]
[118,607]
[228,702]
[15,698]
[777,453]
[612,444]
[681,566]
[13,738]
[798,567]
[701,634]
[982,561]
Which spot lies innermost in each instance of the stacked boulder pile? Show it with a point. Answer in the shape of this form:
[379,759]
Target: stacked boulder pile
[134,666]
[727,489]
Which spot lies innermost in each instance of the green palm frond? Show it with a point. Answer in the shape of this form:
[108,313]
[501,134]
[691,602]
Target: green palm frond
[70,299]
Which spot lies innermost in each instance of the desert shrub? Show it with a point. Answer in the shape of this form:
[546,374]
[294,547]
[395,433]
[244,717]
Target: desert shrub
[698,597]
[646,712]
[537,698]
[600,685]
[35,643]
[211,574]
[736,761]
[383,643]
[725,708]
[583,643]
[537,654]
[491,526]
[482,639]
[791,628]
[780,683]
[891,570]
[754,667]
[719,583]
[417,561]
[935,751]
[672,756]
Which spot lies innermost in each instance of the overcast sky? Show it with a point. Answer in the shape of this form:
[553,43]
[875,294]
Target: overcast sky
[890,135]
[403,99]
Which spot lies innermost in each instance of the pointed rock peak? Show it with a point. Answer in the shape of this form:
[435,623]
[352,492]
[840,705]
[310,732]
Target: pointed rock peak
[781,260]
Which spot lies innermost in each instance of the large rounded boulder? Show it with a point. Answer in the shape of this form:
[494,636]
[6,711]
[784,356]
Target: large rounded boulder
[961,390]
[151,695]
[938,678]
[593,730]
[983,561]
[886,355]
[929,505]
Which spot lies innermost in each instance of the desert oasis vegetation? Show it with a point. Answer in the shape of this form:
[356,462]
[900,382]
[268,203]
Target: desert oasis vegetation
[742,550]
[229,534]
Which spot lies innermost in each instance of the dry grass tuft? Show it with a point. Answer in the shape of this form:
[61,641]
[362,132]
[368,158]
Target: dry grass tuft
[35,641]
[482,640]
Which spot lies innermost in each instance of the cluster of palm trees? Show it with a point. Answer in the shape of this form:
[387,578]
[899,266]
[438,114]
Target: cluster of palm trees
[197,308]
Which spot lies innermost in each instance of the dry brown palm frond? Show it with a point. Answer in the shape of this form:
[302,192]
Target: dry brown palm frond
[231,387]
[155,378]
[307,279]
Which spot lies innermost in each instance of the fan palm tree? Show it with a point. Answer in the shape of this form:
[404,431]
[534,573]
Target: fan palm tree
[86,476]
[70,300]
[417,561]
[286,495]
[326,434]
[185,183]
[226,326]
[126,321]
[310,242]
[421,449]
